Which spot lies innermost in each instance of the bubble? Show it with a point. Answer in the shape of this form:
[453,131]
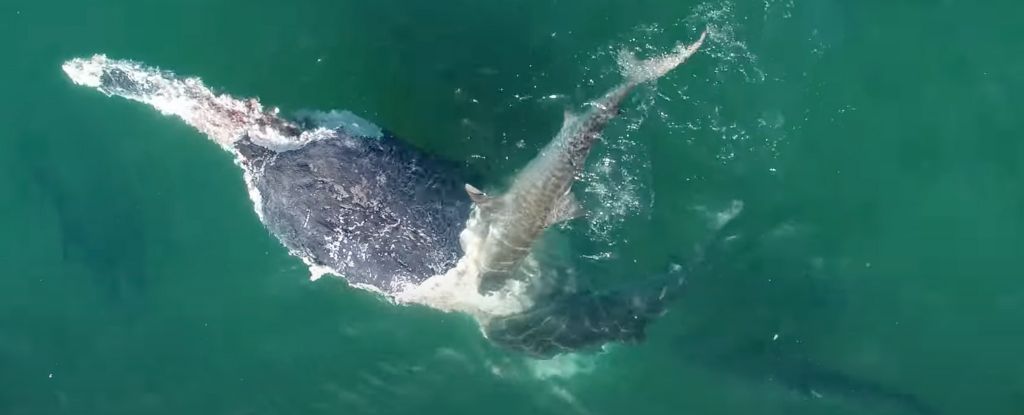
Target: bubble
[730,53]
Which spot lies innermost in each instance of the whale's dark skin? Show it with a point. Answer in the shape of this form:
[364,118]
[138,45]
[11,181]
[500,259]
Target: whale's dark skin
[396,211]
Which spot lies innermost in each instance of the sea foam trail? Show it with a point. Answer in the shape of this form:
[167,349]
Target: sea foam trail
[222,118]
[225,120]
[459,288]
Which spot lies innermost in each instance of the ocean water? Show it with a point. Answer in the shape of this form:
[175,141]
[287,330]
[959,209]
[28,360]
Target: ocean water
[875,147]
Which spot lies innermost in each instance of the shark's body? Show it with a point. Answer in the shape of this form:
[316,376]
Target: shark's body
[350,199]
[540,196]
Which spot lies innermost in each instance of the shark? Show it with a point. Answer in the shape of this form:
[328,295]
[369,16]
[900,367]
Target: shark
[540,195]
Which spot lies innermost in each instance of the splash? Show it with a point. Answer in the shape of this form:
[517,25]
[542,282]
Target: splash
[344,120]
[458,289]
[617,184]
[564,366]
[735,135]
[729,52]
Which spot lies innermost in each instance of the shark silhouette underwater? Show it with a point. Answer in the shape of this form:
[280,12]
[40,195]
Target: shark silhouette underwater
[348,198]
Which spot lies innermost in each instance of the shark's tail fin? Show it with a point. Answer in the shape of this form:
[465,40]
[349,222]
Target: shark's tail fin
[638,72]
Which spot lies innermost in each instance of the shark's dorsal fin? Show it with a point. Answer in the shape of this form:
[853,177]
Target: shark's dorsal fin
[568,117]
[476,195]
[567,208]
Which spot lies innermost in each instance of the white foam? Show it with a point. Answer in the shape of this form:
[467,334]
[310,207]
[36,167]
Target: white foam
[85,72]
[618,185]
[250,186]
[729,52]
[458,289]
[723,217]
[717,219]
[563,366]
[345,120]
[316,271]
[222,118]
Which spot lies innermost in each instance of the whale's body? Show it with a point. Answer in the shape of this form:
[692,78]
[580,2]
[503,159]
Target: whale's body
[374,210]
[340,193]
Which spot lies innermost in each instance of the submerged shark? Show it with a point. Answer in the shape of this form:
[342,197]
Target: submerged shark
[348,198]
[540,196]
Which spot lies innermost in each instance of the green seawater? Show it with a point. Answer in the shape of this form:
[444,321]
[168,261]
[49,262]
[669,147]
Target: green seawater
[875,146]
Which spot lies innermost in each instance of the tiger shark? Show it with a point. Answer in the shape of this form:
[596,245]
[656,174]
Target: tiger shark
[349,198]
[540,195]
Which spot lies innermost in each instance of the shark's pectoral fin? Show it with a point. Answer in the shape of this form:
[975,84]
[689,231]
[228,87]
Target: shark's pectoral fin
[566,209]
